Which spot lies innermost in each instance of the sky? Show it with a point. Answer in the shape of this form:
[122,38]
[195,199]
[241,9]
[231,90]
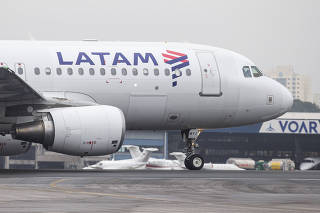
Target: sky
[269,32]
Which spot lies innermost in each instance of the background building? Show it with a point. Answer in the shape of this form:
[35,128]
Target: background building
[293,135]
[316,99]
[299,85]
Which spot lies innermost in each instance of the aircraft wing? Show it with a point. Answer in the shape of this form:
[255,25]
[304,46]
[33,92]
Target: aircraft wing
[20,99]
[14,89]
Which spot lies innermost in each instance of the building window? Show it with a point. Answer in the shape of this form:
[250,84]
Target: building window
[134,71]
[113,71]
[91,71]
[80,71]
[36,70]
[59,71]
[102,71]
[124,71]
[156,71]
[166,71]
[69,71]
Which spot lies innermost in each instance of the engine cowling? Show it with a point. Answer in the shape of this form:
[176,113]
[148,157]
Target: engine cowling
[80,131]
[9,146]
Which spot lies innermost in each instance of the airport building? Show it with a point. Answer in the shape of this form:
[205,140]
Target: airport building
[316,99]
[293,135]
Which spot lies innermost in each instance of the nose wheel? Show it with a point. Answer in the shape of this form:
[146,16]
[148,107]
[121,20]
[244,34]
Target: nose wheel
[193,160]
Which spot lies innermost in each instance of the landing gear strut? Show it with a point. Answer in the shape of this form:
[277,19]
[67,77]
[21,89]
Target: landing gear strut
[193,161]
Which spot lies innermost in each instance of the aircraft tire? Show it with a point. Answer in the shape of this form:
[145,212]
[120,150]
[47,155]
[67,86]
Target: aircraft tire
[194,162]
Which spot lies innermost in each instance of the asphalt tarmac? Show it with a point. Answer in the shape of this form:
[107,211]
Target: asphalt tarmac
[159,191]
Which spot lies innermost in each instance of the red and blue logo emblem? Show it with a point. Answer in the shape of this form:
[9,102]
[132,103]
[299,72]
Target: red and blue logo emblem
[177,61]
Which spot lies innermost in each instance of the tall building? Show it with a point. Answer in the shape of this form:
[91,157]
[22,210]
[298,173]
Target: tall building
[299,85]
[316,99]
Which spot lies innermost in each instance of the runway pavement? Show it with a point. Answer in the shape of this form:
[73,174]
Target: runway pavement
[159,191]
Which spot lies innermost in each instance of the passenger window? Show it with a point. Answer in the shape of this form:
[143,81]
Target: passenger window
[145,71]
[102,71]
[69,71]
[134,71]
[167,72]
[59,71]
[256,72]
[91,71]
[188,72]
[124,71]
[48,70]
[20,71]
[156,71]
[113,71]
[81,71]
[36,70]
[246,72]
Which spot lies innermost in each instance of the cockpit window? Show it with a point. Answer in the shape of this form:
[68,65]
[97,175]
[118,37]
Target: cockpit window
[256,72]
[246,72]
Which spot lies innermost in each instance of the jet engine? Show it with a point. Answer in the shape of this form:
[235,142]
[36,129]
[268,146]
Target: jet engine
[79,131]
[9,146]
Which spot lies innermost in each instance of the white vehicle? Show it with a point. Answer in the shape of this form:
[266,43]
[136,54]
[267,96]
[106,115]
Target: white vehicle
[310,163]
[79,98]
[244,163]
[138,162]
[220,166]
[281,164]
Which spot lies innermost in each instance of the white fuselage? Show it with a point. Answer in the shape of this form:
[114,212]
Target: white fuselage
[310,163]
[204,88]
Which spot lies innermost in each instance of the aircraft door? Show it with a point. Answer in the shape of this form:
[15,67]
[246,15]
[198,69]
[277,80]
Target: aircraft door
[210,76]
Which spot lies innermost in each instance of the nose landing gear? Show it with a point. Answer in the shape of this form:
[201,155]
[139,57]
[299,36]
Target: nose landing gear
[193,161]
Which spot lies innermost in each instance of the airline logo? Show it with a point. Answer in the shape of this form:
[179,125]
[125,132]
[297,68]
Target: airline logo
[105,58]
[291,126]
[177,61]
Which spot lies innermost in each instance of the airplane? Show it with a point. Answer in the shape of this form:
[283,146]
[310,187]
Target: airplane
[164,164]
[79,97]
[159,164]
[310,163]
[135,163]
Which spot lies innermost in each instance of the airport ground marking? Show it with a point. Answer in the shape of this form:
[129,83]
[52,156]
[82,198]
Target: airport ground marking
[73,191]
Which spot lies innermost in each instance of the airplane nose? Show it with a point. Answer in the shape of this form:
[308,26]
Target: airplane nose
[287,99]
